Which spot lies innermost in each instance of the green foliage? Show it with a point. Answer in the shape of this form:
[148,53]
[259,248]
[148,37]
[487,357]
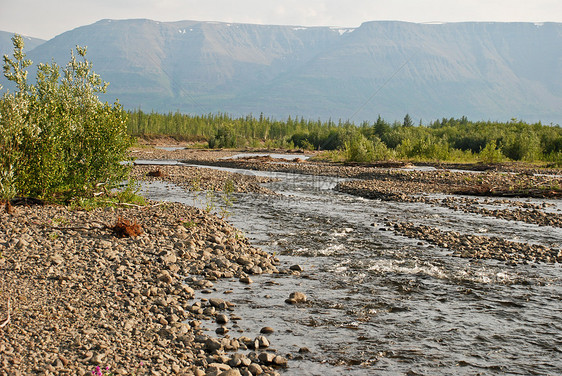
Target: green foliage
[555,158]
[57,140]
[441,140]
[225,137]
[209,198]
[381,151]
[124,196]
[227,198]
[491,153]
[408,121]
[522,147]
[7,183]
[210,201]
[424,146]
[359,149]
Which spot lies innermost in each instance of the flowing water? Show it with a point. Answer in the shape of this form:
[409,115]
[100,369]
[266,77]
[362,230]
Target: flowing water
[384,304]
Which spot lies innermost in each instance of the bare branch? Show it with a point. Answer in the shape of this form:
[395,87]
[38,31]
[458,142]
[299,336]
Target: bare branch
[5,322]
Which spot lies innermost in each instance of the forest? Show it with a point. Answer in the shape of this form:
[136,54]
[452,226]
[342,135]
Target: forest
[451,140]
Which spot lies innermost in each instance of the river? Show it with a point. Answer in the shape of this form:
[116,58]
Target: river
[383,304]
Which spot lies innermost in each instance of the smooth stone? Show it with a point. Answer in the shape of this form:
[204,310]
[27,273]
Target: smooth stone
[246,280]
[267,330]
[222,318]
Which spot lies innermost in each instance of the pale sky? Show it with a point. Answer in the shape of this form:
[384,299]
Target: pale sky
[46,19]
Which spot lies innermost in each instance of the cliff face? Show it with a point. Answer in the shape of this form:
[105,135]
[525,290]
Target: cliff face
[482,70]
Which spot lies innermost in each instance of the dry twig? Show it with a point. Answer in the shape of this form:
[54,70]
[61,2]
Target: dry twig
[5,322]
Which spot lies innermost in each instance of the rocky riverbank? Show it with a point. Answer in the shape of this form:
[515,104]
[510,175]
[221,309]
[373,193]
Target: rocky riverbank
[508,209]
[479,247]
[391,183]
[75,294]
[203,179]
[178,153]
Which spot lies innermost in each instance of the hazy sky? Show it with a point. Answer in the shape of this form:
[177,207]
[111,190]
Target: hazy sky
[46,19]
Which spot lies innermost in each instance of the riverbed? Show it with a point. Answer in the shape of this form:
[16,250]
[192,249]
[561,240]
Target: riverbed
[382,303]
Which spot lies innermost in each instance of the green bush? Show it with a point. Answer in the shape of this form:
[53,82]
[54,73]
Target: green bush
[424,146]
[57,139]
[491,153]
[359,149]
[524,146]
[380,151]
[225,137]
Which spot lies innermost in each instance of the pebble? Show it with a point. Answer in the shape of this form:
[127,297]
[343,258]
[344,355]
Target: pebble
[296,297]
[267,330]
[218,303]
[255,369]
[231,372]
[222,318]
[266,357]
[246,280]
[261,342]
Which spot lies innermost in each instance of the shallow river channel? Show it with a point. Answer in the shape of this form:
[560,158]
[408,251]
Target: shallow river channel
[381,303]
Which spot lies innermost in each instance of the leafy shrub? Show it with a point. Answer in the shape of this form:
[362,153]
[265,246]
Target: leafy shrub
[424,147]
[491,153]
[380,151]
[524,146]
[57,140]
[359,149]
[225,137]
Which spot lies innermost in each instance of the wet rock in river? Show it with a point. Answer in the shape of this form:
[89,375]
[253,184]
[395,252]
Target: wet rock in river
[480,247]
[218,303]
[222,318]
[296,297]
[246,280]
[267,330]
[209,311]
[280,361]
[266,357]
[261,342]
[239,360]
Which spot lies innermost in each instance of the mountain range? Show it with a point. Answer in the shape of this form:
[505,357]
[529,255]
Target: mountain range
[485,71]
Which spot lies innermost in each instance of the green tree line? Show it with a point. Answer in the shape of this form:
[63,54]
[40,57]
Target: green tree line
[441,140]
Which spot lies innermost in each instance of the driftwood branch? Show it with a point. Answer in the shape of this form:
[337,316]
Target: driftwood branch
[5,322]
[135,205]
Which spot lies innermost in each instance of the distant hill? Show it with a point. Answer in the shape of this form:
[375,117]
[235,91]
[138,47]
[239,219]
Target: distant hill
[6,46]
[493,71]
